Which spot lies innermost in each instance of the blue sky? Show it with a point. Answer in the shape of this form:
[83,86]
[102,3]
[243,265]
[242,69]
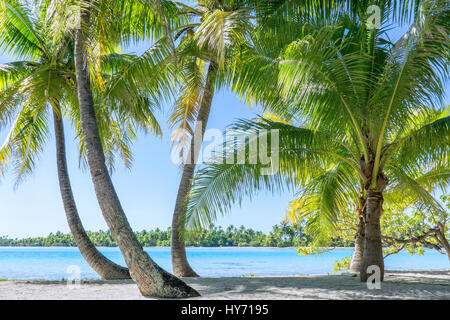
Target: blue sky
[147,191]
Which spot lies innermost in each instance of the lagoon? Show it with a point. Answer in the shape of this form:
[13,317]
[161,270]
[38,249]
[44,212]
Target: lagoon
[32,263]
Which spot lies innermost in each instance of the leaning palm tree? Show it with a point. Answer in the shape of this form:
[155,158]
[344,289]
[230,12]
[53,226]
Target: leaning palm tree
[207,39]
[366,94]
[151,279]
[43,83]
[211,38]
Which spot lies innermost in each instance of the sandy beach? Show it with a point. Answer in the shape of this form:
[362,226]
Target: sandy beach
[397,285]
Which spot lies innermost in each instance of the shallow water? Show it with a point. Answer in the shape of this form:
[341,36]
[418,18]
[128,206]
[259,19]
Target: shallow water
[53,263]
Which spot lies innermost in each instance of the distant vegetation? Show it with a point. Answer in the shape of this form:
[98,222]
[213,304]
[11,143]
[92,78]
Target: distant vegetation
[282,235]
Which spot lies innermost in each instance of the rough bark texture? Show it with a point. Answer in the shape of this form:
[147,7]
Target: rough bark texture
[358,251]
[180,264]
[373,253]
[151,279]
[107,269]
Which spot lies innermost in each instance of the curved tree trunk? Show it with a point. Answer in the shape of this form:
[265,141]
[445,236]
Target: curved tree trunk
[107,269]
[151,279]
[180,265]
[373,251]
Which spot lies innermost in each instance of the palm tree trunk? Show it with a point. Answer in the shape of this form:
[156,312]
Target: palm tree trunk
[151,279]
[107,269]
[358,252]
[373,251]
[180,265]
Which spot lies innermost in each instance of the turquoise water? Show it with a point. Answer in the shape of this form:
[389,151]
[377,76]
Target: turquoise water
[52,263]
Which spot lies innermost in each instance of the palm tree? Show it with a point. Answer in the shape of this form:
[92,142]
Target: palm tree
[44,80]
[222,32]
[221,22]
[422,65]
[418,191]
[215,33]
[363,99]
[213,30]
[151,279]
[356,200]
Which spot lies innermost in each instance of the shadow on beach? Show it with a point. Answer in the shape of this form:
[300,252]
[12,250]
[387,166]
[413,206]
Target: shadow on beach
[397,285]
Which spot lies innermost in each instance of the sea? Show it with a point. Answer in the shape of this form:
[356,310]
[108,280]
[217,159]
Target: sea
[57,263]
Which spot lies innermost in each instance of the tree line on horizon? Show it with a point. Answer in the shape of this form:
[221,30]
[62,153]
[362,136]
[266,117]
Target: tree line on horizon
[281,235]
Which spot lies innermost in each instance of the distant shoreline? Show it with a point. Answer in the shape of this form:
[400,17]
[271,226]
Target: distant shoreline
[282,236]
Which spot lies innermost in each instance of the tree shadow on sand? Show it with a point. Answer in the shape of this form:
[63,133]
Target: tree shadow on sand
[395,286]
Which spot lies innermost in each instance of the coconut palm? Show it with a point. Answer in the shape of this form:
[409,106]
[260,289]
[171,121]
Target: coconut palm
[417,191]
[221,22]
[216,32]
[32,90]
[366,94]
[89,34]
[205,43]
[411,74]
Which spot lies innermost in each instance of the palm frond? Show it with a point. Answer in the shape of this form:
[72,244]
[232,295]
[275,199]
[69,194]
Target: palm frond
[324,199]
[25,142]
[19,36]
[187,105]
[220,30]
[406,184]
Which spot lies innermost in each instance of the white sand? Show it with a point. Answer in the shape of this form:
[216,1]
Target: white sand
[397,285]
